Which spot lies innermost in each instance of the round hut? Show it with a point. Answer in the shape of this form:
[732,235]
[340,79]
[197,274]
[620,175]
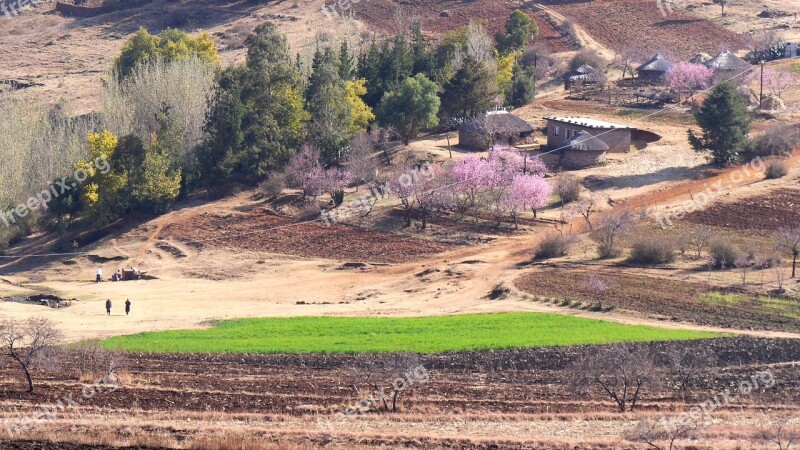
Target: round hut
[653,71]
[583,75]
[726,66]
[582,150]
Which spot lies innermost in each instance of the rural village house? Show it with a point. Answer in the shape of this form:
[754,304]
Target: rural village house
[653,71]
[561,129]
[496,127]
[582,150]
[583,75]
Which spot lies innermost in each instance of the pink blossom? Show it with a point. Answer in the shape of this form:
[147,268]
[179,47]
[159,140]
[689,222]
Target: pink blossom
[525,191]
[686,76]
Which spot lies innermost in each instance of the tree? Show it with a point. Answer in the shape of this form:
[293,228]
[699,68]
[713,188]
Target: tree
[432,194]
[361,114]
[170,45]
[788,239]
[777,81]
[686,76]
[256,119]
[519,30]
[27,341]
[305,172]
[525,192]
[722,4]
[725,123]
[622,371]
[331,118]
[523,87]
[687,366]
[470,174]
[347,63]
[469,93]
[413,106]
[360,161]
[100,193]
[608,229]
[651,432]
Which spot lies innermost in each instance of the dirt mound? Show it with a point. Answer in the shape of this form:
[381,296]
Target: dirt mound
[640,24]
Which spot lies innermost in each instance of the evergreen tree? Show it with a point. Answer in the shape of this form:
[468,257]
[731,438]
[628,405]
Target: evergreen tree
[469,93]
[419,52]
[329,130]
[347,69]
[725,122]
[369,69]
[523,87]
[520,29]
[412,106]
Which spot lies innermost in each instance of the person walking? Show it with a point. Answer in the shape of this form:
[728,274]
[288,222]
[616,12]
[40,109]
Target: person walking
[108,307]
[99,275]
[127,306]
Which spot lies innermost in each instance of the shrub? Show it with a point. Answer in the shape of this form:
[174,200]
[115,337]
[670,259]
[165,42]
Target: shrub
[274,185]
[568,188]
[724,253]
[652,251]
[776,169]
[553,246]
[588,57]
[777,140]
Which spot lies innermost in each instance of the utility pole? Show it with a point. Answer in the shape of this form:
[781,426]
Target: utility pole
[761,95]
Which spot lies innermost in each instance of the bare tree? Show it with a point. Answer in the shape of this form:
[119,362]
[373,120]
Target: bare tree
[598,286]
[360,161]
[621,371]
[778,432]
[660,437]
[586,208]
[95,362]
[700,240]
[789,240]
[379,380]
[687,365]
[608,229]
[27,341]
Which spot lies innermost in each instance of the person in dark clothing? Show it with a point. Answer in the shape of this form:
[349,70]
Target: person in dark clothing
[127,306]
[108,307]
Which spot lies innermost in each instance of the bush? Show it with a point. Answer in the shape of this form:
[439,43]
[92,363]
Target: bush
[776,169]
[274,185]
[588,57]
[568,188]
[652,251]
[553,246]
[724,253]
[777,140]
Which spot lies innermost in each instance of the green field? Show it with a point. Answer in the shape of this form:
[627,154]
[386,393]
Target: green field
[417,334]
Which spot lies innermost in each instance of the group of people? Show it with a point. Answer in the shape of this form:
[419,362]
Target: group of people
[117,276]
[127,307]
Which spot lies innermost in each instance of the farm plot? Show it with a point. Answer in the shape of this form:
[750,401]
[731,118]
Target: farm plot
[768,212]
[459,400]
[438,17]
[255,231]
[640,24]
[672,299]
[415,334]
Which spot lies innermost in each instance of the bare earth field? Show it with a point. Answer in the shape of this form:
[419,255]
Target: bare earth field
[501,400]
[640,24]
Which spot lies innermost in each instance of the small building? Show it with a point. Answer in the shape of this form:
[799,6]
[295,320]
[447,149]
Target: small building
[790,51]
[653,71]
[583,75]
[561,129]
[582,150]
[726,65]
[496,127]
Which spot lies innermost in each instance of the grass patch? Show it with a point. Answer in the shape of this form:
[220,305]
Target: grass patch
[416,334]
[794,68]
[785,308]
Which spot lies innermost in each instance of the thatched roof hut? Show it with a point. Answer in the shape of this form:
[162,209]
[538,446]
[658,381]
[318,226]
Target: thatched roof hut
[654,69]
[727,64]
[496,126]
[584,74]
[583,150]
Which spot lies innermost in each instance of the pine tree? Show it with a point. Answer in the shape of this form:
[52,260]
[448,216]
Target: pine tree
[329,130]
[520,29]
[469,93]
[523,87]
[725,122]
